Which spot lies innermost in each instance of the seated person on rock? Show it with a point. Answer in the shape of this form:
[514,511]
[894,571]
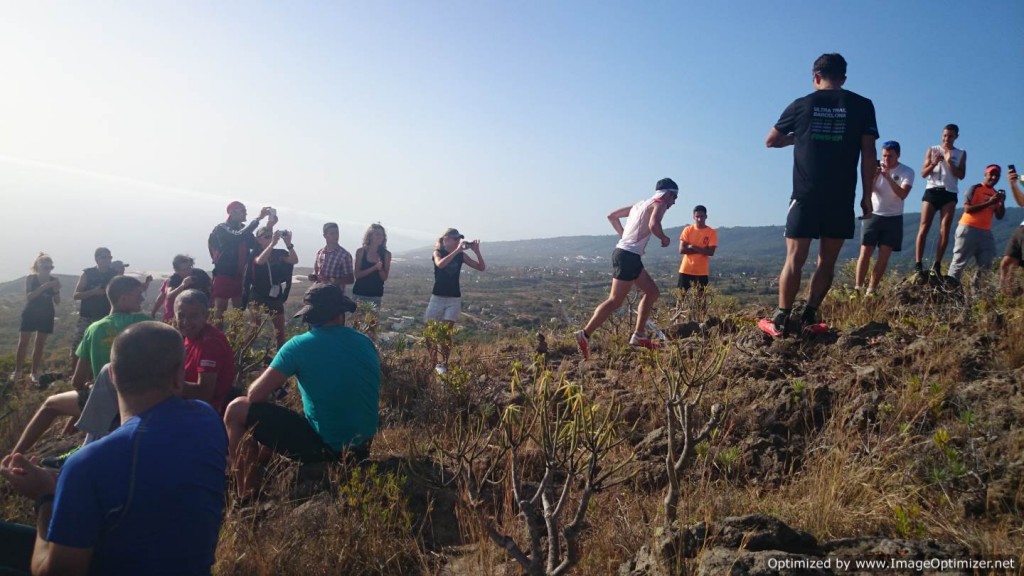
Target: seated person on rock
[338,374]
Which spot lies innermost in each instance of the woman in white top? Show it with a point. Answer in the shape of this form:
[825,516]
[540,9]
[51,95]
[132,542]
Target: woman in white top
[944,166]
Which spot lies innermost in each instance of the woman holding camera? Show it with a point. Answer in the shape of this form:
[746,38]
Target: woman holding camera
[446,297]
[42,294]
[373,263]
[270,276]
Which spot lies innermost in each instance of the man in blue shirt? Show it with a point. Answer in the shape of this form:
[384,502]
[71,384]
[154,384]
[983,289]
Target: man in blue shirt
[338,373]
[148,498]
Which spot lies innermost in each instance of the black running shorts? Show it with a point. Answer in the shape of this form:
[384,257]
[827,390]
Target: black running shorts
[687,280]
[939,197]
[833,219]
[289,433]
[626,265]
[883,231]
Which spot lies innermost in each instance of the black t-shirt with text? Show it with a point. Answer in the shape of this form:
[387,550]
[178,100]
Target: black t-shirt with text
[827,126]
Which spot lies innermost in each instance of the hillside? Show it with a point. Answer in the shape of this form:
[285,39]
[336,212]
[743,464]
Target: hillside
[748,249]
[865,442]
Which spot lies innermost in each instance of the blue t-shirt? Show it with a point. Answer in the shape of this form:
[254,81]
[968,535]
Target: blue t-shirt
[339,378]
[148,498]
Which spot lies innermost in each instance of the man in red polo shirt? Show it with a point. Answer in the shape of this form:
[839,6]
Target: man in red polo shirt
[209,360]
[230,244]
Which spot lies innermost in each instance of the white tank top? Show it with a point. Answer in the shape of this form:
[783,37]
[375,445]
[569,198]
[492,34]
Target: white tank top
[637,230]
[942,175]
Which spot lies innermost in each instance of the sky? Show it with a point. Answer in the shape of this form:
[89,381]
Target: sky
[132,124]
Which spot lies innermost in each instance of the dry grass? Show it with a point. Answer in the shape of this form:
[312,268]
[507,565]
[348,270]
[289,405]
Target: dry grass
[905,472]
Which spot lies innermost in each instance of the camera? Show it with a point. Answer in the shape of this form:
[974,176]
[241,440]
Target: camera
[273,212]
[464,245]
[285,233]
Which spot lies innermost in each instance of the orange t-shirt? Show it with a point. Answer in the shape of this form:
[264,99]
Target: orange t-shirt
[697,264]
[982,219]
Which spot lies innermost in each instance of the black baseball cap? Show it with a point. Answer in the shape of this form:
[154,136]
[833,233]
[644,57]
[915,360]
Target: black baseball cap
[323,303]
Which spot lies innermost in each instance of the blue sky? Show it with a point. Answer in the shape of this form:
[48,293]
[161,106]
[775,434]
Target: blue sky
[132,124]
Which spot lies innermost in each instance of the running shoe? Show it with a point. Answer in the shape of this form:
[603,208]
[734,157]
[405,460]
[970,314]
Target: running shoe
[809,316]
[441,369]
[779,319]
[34,378]
[642,342]
[583,343]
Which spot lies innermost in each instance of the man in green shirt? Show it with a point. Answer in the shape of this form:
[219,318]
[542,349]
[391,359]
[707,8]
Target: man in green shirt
[125,294]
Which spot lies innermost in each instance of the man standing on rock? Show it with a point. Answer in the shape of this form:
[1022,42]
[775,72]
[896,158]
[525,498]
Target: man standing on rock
[231,243]
[829,129]
[643,220]
[884,230]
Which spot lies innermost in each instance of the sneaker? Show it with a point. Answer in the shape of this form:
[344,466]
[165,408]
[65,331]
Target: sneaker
[642,342]
[34,378]
[918,267]
[937,270]
[15,376]
[48,378]
[809,316]
[583,343]
[780,319]
[57,462]
[441,369]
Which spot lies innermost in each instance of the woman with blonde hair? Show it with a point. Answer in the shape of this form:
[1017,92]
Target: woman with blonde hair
[372,266]
[42,294]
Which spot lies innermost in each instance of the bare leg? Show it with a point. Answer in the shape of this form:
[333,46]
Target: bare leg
[63,404]
[945,226]
[789,278]
[278,320]
[863,262]
[37,352]
[620,289]
[651,293]
[19,356]
[243,452]
[220,305]
[446,343]
[821,280]
[884,252]
[1007,266]
[927,215]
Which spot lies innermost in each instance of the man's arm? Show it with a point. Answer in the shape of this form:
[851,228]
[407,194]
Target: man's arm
[960,171]
[203,389]
[972,208]
[617,215]
[81,293]
[346,277]
[1018,194]
[270,380]
[868,165]
[900,190]
[83,373]
[777,139]
[930,162]
[655,223]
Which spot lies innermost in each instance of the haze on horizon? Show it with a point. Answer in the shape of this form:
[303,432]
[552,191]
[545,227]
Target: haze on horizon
[132,125]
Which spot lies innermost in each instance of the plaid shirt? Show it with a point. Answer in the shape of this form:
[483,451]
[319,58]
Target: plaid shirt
[333,264]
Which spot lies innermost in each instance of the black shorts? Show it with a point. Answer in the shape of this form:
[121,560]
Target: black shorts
[939,197]
[289,433]
[1015,246]
[830,219]
[626,265]
[687,280]
[274,306]
[883,231]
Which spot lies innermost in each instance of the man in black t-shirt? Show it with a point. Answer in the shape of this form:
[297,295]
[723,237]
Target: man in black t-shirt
[829,129]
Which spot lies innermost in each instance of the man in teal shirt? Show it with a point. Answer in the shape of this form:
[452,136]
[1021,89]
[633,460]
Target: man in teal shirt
[338,374]
[125,294]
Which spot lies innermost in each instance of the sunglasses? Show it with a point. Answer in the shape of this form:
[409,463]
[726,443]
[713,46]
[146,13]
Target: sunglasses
[46,267]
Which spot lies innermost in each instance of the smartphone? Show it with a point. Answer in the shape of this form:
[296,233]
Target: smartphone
[1011,168]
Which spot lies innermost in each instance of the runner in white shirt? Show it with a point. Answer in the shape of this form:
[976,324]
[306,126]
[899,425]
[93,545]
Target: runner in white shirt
[643,220]
[884,229]
[944,166]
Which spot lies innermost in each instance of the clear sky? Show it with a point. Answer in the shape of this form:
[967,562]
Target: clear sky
[132,124]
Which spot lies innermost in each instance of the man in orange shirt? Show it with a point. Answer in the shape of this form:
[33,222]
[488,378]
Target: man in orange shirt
[974,234]
[697,243]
